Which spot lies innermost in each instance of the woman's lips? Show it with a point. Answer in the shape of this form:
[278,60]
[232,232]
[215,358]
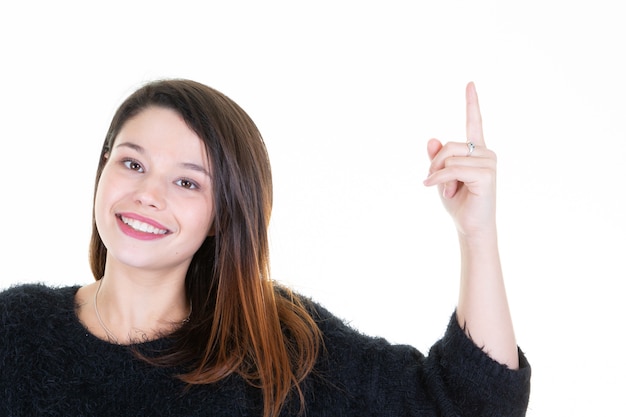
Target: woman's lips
[140,227]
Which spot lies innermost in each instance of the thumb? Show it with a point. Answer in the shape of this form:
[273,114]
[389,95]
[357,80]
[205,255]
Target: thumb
[433,147]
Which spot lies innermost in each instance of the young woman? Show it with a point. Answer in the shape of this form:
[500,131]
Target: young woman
[183,318]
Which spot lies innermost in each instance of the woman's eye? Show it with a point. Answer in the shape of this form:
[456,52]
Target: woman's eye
[133,165]
[185,183]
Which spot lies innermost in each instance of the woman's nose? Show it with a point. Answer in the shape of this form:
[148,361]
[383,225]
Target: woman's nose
[151,193]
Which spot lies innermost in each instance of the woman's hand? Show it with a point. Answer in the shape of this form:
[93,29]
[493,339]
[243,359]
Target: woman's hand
[466,179]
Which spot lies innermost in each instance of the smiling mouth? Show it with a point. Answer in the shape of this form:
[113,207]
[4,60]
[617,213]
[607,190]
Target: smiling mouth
[142,226]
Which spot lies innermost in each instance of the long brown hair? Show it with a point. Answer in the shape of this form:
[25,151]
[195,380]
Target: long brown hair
[240,323]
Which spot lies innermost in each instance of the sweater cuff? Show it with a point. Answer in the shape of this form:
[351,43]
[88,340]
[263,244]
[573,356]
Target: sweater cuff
[457,338]
[475,381]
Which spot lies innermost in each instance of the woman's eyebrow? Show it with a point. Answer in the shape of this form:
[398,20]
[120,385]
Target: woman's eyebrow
[187,165]
[195,167]
[132,146]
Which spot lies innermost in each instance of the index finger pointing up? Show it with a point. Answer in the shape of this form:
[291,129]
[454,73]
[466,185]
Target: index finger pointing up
[474,124]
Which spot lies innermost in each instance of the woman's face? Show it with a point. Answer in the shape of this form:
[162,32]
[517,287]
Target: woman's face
[154,203]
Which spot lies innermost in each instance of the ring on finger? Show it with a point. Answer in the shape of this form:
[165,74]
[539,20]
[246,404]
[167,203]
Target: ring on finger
[470,147]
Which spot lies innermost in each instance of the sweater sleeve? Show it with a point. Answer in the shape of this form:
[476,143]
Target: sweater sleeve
[457,378]
[464,381]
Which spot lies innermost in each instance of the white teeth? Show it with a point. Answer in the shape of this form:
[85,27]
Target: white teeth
[143,227]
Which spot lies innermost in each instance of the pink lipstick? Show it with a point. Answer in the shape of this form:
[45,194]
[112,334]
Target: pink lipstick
[140,227]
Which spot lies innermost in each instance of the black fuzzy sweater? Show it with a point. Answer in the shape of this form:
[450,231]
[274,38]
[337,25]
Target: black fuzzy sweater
[50,365]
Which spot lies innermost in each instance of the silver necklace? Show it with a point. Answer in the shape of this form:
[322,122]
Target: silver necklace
[108,332]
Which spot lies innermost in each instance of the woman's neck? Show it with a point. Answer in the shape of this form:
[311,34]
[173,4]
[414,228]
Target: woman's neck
[130,308]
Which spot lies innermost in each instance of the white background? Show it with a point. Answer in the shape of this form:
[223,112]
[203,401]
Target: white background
[346,95]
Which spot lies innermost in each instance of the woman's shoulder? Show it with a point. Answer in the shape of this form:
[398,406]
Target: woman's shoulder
[340,337]
[30,302]
[35,292]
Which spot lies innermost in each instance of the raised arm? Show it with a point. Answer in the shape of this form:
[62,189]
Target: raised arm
[465,174]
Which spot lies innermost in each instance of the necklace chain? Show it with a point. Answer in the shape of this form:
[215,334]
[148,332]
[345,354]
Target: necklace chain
[108,332]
